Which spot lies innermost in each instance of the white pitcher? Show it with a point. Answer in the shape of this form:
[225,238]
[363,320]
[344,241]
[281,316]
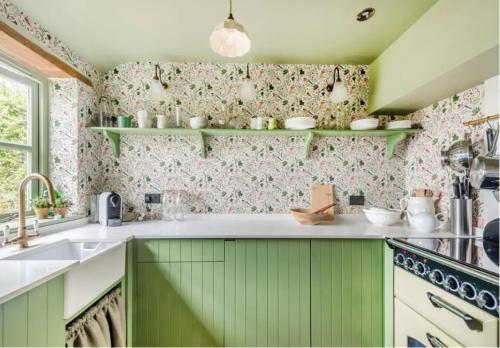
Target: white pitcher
[416,205]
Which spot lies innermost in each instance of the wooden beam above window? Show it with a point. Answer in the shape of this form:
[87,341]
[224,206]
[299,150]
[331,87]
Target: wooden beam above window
[27,53]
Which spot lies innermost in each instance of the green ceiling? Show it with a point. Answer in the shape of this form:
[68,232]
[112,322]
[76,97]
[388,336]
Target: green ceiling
[109,32]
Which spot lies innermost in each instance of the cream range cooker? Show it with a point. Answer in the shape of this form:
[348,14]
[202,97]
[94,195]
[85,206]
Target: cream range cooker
[446,293]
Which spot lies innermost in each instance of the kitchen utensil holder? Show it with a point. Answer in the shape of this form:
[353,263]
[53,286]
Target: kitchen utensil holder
[461,216]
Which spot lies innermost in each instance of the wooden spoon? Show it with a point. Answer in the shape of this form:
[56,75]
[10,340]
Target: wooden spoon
[322,209]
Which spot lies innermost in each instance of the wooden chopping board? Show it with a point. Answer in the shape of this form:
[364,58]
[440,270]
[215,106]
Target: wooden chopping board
[322,195]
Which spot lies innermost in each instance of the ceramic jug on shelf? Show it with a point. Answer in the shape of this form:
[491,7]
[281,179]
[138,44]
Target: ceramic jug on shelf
[416,205]
[426,222]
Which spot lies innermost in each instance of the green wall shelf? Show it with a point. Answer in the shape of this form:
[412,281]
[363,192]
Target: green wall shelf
[394,136]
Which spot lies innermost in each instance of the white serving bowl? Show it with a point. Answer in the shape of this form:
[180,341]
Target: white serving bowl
[198,122]
[365,124]
[401,124]
[300,123]
[382,217]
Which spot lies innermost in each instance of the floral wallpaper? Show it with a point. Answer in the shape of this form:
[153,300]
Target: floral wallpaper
[443,124]
[212,90]
[240,174]
[63,139]
[73,150]
[25,24]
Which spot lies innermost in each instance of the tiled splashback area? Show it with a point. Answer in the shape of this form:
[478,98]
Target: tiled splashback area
[240,174]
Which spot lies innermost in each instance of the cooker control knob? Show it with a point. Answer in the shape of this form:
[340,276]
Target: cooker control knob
[451,283]
[436,277]
[399,259]
[409,264]
[467,291]
[485,299]
[421,269]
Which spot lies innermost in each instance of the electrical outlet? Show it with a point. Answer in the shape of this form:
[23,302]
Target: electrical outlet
[356,200]
[152,198]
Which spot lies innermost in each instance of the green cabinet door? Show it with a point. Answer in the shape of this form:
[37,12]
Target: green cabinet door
[347,286]
[179,293]
[35,318]
[267,293]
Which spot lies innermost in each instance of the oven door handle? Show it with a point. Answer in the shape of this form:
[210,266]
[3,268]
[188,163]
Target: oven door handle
[471,322]
[434,341]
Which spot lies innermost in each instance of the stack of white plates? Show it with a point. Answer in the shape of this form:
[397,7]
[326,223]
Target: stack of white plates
[365,124]
[300,123]
[402,124]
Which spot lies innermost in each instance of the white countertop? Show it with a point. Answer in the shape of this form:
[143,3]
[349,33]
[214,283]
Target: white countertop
[20,276]
[17,277]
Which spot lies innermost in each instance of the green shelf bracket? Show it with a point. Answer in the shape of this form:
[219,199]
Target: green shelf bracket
[203,148]
[392,141]
[114,138]
[307,144]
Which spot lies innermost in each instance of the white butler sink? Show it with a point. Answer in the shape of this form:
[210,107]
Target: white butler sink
[102,264]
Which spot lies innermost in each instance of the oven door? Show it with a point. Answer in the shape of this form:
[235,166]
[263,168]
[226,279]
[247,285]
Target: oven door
[412,330]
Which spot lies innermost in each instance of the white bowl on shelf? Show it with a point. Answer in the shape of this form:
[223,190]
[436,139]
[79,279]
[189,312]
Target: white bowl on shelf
[382,216]
[365,124]
[401,124]
[300,122]
[198,122]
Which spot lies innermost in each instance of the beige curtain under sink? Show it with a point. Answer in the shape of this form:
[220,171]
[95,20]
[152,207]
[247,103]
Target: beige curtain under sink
[103,325]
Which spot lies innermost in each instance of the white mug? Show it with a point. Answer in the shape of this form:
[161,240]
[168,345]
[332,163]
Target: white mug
[161,121]
[417,205]
[258,123]
[198,122]
[143,119]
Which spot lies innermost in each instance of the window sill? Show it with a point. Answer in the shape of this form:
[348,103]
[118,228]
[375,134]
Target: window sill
[14,224]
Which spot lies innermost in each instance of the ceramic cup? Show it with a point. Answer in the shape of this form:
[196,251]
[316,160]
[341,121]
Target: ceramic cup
[143,119]
[161,121]
[198,122]
[124,121]
[258,123]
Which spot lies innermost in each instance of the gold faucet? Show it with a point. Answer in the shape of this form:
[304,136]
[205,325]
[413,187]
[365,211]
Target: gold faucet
[22,237]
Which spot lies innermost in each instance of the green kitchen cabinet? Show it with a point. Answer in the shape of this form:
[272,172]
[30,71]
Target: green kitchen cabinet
[256,292]
[267,293]
[180,293]
[347,292]
[34,318]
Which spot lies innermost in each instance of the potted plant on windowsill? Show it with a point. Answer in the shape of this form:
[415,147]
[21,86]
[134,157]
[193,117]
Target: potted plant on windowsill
[60,206]
[41,206]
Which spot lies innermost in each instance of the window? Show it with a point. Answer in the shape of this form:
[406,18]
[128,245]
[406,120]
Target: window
[19,135]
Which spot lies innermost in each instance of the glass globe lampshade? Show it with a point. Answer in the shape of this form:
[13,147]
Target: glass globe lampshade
[247,91]
[229,39]
[156,90]
[339,93]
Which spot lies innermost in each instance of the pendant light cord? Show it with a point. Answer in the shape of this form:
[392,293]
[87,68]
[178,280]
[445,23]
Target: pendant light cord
[230,10]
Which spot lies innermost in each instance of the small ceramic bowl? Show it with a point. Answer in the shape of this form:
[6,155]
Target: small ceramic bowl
[198,122]
[382,217]
[365,124]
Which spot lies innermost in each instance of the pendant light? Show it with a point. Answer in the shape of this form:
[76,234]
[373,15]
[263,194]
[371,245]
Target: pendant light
[337,89]
[229,39]
[158,88]
[247,91]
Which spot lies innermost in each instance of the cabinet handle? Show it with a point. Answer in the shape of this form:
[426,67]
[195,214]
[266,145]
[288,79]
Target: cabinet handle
[434,341]
[471,322]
